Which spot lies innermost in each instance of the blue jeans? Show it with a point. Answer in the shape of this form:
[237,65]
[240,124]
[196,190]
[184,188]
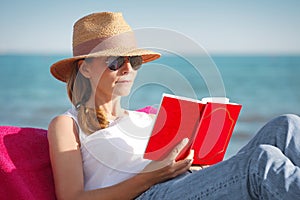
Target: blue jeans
[266,168]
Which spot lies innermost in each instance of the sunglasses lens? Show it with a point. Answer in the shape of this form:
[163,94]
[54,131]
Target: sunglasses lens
[115,63]
[136,62]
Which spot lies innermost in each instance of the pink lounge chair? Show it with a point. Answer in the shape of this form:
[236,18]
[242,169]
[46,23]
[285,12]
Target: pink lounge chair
[25,164]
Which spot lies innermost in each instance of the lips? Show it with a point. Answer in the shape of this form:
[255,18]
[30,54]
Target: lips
[123,81]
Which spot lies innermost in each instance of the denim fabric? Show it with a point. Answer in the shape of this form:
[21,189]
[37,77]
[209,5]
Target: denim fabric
[266,168]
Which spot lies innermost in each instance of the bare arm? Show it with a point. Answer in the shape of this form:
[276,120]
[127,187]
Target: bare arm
[67,167]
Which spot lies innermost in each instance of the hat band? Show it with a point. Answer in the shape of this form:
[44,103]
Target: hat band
[123,41]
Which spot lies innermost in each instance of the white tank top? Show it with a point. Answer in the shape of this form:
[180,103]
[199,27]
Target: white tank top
[114,154]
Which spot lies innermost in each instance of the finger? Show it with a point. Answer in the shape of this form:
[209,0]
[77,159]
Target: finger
[199,167]
[205,166]
[183,165]
[183,170]
[191,154]
[195,168]
[177,149]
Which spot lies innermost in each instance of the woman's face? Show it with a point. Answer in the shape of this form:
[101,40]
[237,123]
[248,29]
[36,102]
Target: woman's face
[108,83]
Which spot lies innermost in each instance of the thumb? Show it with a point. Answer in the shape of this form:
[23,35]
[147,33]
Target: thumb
[177,149]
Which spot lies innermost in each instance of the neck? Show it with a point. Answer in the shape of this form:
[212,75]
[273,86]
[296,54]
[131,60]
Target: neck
[112,107]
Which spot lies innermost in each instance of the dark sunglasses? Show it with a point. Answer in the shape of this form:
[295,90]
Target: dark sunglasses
[115,63]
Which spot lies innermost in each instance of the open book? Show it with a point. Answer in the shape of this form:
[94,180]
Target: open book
[208,124]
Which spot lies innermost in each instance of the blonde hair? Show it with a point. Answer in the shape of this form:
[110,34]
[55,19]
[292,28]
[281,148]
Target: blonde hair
[79,91]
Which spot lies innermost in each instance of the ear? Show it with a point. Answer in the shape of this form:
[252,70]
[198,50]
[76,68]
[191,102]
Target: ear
[84,68]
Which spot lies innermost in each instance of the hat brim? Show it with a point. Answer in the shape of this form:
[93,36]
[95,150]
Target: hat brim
[61,70]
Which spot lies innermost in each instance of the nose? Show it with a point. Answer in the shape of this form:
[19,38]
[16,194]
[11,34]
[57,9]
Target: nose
[126,68]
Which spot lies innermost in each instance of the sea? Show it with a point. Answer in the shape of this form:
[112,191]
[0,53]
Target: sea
[265,85]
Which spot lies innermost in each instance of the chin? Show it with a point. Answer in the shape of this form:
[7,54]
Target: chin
[121,93]
[122,90]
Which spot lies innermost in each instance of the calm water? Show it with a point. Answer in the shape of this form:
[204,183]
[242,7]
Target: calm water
[266,86]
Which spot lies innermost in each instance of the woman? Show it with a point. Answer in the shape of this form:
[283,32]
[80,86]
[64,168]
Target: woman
[96,148]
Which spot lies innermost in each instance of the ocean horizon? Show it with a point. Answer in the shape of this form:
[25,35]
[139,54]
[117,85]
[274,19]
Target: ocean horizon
[266,86]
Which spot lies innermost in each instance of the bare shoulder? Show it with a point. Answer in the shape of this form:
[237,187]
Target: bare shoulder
[62,130]
[61,121]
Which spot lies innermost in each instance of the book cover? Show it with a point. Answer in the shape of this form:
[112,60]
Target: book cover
[208,125]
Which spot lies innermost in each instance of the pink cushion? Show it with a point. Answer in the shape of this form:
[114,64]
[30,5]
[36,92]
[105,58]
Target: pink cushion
[25,164]
[148,109]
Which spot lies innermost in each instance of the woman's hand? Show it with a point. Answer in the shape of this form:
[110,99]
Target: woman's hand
[159,171]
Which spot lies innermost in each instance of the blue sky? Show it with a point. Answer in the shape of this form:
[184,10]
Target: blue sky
[251,27]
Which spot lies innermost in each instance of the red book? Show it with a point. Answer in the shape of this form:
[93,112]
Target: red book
[208,125]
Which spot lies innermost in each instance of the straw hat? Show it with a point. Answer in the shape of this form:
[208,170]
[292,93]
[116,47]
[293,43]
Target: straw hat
[101,34]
